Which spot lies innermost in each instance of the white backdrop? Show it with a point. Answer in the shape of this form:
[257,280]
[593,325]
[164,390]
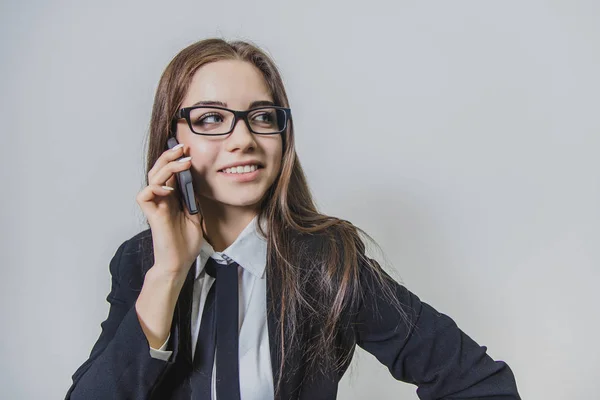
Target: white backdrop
[463,136]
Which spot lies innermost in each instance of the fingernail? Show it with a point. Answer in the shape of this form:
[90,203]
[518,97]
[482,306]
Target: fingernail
[167,187]
[177,147]
[185,159]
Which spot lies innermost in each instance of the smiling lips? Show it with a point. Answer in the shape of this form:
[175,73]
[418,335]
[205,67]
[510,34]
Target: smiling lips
[244,173]
[244,163]
[241,169]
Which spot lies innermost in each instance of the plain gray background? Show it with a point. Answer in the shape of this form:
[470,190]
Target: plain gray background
[463,136]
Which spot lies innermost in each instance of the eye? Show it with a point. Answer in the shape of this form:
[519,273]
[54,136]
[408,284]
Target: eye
[264,117]
[209,118]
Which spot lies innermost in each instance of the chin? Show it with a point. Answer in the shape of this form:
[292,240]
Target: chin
[239,199]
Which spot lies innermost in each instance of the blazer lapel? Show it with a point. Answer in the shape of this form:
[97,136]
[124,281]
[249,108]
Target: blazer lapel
[292,373]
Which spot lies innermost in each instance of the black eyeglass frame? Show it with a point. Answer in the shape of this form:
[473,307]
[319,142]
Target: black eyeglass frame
[184,113]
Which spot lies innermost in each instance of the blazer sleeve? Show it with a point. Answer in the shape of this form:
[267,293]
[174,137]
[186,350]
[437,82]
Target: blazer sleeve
[426,348]
[120,365]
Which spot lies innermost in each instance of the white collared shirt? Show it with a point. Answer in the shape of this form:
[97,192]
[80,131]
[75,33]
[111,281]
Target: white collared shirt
[249,250]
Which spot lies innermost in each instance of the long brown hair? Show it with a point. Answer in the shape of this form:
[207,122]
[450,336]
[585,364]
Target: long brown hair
[332,269]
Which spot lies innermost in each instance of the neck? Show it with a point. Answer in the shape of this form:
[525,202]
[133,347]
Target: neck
[224,223]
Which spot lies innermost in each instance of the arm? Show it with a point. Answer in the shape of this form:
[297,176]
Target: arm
[430,352]
[120,365]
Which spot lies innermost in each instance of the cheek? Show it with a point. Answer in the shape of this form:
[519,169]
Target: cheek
[274,148]
[204,155]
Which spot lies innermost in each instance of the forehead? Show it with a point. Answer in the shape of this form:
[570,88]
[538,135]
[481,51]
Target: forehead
[237,83]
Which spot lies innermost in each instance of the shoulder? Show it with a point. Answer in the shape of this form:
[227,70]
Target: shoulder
[139,243]
[332,231]
[132,260]
[342,237]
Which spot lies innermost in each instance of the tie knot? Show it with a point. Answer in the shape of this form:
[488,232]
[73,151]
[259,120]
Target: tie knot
[212,265]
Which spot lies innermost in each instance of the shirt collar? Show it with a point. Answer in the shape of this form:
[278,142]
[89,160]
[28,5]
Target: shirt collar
[249,250]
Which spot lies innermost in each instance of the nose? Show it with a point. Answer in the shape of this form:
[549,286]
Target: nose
[240,138]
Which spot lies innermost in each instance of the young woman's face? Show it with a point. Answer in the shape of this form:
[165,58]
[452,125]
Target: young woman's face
[236,85]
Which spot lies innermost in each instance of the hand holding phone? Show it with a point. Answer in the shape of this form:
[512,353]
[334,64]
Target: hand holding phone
[176,229]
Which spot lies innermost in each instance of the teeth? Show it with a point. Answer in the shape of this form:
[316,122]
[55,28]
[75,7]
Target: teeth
[240,169]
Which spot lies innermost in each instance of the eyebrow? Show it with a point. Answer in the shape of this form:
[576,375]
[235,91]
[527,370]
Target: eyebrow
[256,103]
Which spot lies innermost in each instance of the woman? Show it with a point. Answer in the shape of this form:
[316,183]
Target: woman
[306,291]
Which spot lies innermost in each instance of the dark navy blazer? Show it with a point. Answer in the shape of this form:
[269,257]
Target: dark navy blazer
[433,353]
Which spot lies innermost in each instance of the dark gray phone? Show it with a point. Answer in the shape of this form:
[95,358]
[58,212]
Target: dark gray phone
[184,181]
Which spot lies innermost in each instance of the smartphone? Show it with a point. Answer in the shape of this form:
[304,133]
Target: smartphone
[184,181]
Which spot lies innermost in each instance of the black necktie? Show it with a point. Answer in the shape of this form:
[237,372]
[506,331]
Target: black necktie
[219,325]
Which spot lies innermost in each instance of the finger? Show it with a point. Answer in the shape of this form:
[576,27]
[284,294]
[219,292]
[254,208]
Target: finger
[166,172]
[171,182]
[151,192]
[166,157]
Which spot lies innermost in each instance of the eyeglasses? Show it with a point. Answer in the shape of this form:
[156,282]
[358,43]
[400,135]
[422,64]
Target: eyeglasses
[215,120]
